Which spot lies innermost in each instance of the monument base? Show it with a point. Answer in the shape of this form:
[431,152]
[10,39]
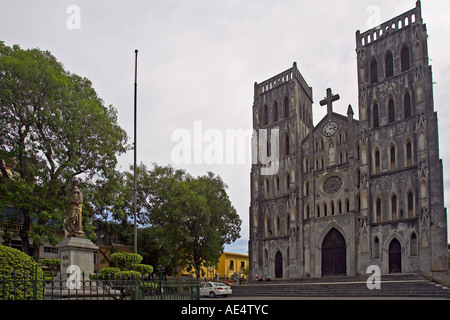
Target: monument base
[77,252]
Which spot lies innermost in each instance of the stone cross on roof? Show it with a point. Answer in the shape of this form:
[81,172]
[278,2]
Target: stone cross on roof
[329,99]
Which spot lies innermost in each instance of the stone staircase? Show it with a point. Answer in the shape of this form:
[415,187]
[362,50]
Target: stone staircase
[392,286]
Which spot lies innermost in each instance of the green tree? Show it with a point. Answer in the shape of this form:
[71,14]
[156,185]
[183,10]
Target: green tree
[187,220]
[55,130]
[211,228]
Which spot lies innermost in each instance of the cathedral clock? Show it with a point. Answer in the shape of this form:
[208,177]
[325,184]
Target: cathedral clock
[330,129]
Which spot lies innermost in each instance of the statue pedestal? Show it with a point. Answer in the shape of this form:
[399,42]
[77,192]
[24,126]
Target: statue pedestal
[77,252]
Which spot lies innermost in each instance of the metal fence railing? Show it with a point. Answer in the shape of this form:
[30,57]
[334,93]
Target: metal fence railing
[28,286]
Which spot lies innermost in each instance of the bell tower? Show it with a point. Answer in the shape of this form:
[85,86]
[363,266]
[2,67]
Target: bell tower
[401,173]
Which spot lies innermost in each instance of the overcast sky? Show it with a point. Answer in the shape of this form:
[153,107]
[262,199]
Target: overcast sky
[198,61]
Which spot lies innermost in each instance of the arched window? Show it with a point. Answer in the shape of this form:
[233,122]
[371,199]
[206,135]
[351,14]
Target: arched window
[405,59]
[391,111]
[277,226]
[392,152]
[394,206]
[287,222]
[389,65]
[265,116]
[377,162]
[374,71]
[275,111]
[376,116]
[409,161]
[286,145]
[378,211]
[286,107]
[376,248]
[267,187]
[410,205]
[288,183]
[407,105]
[277,185]
[306,189]
[318,211]
[305,165]
[306,211]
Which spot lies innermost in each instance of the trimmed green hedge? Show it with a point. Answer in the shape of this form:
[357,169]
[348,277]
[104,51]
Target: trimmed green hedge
[125,261]
[17,274]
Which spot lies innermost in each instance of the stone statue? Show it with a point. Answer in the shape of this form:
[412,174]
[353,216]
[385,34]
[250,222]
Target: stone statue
[331,155]
[75,208]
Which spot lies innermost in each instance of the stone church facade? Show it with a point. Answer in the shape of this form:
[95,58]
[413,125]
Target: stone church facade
[351,193]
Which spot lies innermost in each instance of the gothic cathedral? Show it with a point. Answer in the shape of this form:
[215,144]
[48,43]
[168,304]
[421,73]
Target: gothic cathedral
[347,193]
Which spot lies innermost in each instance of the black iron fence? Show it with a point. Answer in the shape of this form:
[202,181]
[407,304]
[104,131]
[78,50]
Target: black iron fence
[29,286]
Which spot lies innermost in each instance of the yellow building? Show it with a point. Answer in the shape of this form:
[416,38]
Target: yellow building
[229,263]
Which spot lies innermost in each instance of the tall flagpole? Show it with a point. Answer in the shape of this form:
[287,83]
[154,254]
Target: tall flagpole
[135,151]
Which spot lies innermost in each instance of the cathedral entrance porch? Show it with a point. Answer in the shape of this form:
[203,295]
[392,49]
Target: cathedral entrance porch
[334,254]
[278,265]
[395,257]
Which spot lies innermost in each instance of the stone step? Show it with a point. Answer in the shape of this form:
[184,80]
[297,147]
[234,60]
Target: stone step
[404,285]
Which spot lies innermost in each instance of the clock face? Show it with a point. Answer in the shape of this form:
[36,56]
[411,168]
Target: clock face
[330,129]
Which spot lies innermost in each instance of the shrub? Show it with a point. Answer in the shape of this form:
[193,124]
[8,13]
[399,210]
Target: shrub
[116,274]
[53,265]
[125,261]
[143,269]
[17,274]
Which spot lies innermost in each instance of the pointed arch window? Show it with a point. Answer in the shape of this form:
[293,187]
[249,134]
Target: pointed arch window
[409,161]
[286,145]
[391,110]
[378,211]
[288,183]
[410,205]
[265,115]
[407,105]
[376,116]
[277,185]
[275,111]
[406,64]
[377,162]
[373,71]
[394,206]
[389,65]
[286,107]
[376,248]
[392,152]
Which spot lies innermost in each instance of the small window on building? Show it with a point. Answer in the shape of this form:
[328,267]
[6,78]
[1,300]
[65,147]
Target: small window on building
[407,105]
[389,65]
[405,59]
[376,116]
[374,71]
[391,110]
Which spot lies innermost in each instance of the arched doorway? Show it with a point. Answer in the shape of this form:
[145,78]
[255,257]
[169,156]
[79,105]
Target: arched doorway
[334,256]
[278,265]
[395,257]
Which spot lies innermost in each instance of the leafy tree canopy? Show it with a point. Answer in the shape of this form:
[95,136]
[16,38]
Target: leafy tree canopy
[187,220]
[54,130]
